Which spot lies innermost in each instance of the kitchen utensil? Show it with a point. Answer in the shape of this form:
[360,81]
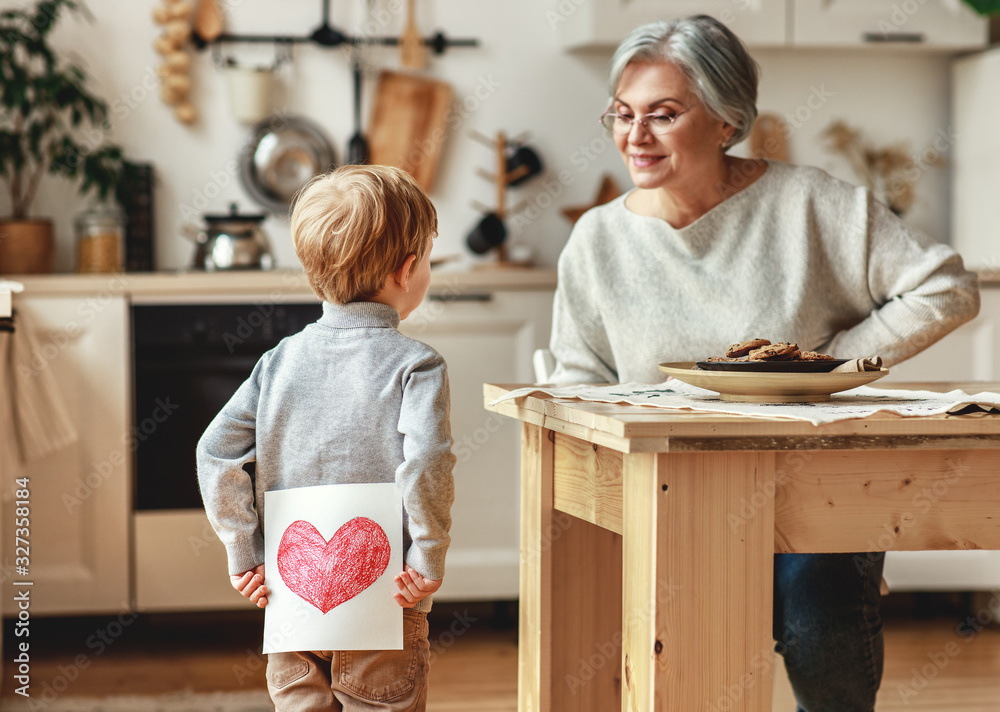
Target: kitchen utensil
[280,156]
[250,92]
[231,241]
[412,53]
[408,124]
[208,21]
[735,386]
[326,35]
[490,232]
[522,163]
[357,148]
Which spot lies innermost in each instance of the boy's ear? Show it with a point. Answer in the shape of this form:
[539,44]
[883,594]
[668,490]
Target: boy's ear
[402,273]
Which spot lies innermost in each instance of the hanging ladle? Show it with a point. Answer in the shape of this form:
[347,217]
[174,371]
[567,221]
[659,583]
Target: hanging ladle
[357,149]
[325,34]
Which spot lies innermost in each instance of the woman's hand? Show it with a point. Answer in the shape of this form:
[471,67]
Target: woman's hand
[251,584]
[414,587]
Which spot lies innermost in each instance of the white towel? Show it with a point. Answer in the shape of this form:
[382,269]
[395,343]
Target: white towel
[857,365]
[34,418]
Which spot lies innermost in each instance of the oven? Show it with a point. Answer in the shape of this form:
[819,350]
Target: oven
[189,359]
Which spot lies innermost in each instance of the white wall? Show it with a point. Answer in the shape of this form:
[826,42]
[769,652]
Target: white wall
[517,80]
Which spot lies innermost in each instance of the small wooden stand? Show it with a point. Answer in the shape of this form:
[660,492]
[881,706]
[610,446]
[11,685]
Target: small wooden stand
[501,179]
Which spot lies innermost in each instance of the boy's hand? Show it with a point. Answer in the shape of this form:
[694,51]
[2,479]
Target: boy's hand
[251,584]
[414,587]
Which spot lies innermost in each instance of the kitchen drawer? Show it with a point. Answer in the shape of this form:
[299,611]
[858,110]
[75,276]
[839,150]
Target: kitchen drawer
[180,564]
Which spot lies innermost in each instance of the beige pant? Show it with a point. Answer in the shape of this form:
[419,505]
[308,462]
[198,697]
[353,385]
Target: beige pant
[354,680]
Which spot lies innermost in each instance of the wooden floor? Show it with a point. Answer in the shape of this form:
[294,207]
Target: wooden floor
[939,663]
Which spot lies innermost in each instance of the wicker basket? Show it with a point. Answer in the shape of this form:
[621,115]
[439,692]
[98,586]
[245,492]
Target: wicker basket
[26,246]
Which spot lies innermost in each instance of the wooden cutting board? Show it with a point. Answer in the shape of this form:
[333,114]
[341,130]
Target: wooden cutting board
[408,124]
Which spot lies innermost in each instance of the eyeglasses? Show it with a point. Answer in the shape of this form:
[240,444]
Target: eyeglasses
[658,124]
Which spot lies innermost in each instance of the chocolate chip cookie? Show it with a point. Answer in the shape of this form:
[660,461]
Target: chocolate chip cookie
[781,351]
[745,347]
[813,356]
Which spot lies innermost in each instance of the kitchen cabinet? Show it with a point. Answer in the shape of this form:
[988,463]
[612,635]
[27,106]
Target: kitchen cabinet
[971,352]
[920,24]
[604,23]
[79,495]
[975,160]
[484,337]
[927,24]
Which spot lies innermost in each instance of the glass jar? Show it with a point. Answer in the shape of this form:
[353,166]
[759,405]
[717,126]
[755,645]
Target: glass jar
[100,238]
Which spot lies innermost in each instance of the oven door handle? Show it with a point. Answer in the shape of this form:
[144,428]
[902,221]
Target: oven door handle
[203,364]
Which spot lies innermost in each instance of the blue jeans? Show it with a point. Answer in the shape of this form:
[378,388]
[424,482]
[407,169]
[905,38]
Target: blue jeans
[828,628]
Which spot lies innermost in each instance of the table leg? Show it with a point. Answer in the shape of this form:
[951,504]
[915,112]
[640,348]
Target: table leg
[569,646]
[698,555]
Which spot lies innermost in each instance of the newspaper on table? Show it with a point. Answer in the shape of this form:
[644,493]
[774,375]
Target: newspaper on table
[858,402]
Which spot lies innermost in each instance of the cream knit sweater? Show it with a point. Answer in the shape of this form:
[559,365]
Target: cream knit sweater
[796,256]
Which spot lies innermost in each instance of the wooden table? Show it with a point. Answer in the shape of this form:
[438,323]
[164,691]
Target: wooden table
[648,535]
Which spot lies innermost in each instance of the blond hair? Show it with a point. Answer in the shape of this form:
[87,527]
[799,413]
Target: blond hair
[356,225]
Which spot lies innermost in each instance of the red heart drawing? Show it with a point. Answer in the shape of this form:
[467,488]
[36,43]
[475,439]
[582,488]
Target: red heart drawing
[327,573]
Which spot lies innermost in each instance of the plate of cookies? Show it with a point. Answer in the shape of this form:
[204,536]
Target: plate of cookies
[783,374]
[760,355]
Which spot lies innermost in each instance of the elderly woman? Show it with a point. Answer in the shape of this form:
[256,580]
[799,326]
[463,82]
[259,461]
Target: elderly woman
[710,249]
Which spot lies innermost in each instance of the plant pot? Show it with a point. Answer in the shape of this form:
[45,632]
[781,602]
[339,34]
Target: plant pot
[26,246]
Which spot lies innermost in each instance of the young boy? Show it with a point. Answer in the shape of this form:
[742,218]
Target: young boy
[347,400]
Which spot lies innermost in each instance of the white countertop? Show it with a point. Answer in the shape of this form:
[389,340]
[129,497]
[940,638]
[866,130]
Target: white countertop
[272,283]
[293,283]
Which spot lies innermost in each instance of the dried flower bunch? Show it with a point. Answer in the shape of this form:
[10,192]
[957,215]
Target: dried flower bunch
[891,173]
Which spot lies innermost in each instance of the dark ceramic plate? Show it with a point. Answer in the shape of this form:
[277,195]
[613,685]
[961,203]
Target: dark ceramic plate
[772,366]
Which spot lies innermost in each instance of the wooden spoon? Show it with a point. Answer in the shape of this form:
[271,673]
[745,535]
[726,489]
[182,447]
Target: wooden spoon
[412,53]
[208,23]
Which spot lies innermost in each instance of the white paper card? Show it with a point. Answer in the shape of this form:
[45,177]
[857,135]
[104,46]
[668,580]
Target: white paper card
[330,555]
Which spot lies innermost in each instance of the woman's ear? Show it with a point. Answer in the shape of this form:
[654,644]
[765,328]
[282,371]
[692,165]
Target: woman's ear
[727,134]
[402,273]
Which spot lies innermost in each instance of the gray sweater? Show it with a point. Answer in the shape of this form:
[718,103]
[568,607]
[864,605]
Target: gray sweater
[796,256]
[347,400]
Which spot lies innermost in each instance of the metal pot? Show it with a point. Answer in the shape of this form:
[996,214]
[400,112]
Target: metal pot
[232,241]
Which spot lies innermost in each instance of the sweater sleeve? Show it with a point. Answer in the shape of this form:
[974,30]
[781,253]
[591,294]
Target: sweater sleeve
[425,476]
[921,289]
[579,341]
[227,490]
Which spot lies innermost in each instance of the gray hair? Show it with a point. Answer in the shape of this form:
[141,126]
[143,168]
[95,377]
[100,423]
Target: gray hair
[722,73]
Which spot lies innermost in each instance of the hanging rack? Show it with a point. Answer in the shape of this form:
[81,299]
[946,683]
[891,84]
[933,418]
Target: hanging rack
[326,35]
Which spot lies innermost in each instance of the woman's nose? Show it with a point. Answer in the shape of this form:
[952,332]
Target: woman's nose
[638,132]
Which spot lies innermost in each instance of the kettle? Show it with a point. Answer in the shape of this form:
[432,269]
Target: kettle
[231,241]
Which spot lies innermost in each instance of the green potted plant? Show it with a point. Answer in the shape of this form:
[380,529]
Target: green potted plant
[984,7]
[45,108]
